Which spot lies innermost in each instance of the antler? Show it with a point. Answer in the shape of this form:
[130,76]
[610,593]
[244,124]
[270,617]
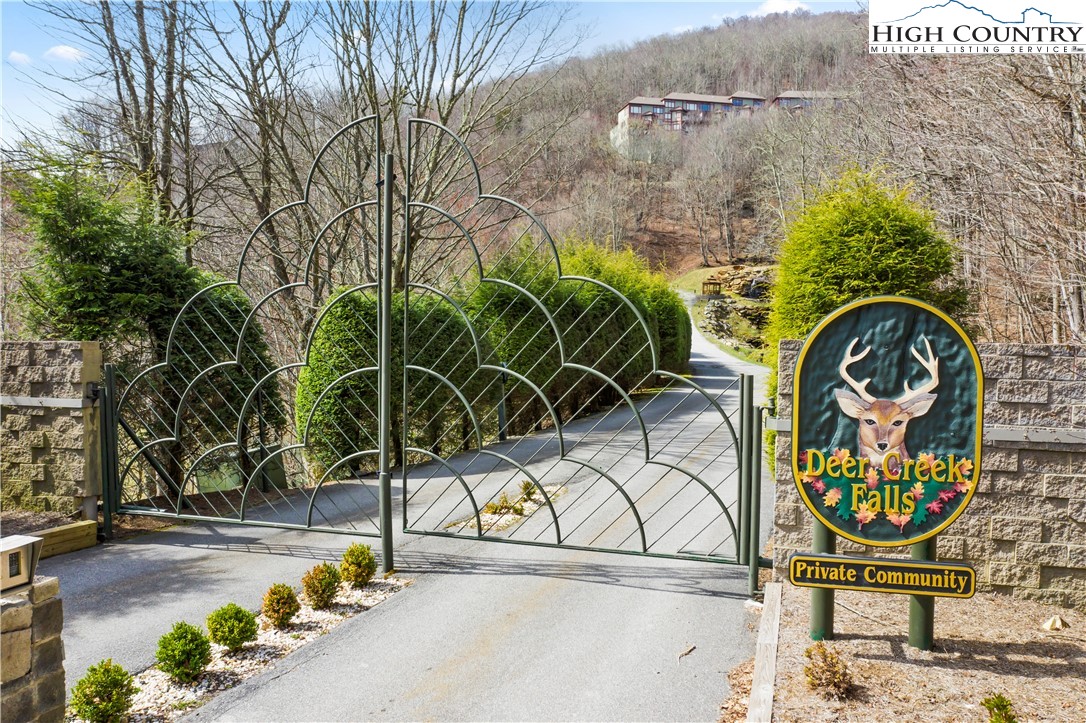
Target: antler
[850,358]
[932,365]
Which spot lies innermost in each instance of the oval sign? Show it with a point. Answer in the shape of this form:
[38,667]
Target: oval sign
[886,422]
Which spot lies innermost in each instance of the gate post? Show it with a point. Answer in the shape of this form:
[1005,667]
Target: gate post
[107,395]
[743,543]
[754,560]
[384,366]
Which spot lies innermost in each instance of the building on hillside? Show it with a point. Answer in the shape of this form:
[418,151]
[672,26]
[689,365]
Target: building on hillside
[744,100]
[678,112]
[802,99]
[691,109]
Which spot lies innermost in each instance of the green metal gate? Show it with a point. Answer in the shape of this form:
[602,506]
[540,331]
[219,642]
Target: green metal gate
[416,328]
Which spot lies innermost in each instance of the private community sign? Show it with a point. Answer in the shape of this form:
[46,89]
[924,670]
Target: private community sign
[886,421]
[913,577]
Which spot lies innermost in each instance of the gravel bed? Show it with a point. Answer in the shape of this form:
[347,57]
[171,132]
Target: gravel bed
[161,699]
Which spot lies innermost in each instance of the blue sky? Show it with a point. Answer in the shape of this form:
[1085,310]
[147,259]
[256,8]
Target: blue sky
[31,49]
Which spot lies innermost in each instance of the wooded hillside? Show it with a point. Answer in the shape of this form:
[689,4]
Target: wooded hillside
[219,111]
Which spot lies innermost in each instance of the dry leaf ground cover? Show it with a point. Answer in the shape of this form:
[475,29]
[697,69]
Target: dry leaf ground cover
[988,644]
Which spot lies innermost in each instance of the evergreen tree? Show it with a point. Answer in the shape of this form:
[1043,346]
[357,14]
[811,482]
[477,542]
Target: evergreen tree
[859,238]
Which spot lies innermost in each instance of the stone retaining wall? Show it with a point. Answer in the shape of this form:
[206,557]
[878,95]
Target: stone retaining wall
[50,457]
[1025,529]
[32,668]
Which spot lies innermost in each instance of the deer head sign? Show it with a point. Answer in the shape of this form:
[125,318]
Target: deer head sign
[883,421]
[863,464]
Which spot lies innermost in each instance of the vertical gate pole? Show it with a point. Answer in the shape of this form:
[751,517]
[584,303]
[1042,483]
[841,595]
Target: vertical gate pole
[922,607]
[384,365]
[108,437]
[755,502]
[823,540]
[503,380]
[744,469]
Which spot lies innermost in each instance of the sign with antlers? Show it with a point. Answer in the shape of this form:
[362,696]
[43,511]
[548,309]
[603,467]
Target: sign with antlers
[886,425]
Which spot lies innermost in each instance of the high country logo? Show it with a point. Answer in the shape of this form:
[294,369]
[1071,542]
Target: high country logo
[995,26]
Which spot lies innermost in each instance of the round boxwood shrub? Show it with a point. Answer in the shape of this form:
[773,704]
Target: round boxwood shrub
[232,626]
[104,694]
[358,565]
[320,585]
[184,652]
[280,605]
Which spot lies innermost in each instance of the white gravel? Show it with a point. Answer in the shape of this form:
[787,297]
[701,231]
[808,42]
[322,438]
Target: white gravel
[161,699]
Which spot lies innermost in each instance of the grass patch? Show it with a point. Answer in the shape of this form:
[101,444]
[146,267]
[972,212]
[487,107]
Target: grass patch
[691,280]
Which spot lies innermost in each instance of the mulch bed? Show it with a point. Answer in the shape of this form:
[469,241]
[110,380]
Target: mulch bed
[24,522]
[988,644]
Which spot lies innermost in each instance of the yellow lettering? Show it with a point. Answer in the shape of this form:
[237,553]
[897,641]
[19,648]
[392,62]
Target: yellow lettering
[833,467]
[937,470]
[801,568]
[908,504]
[886,466]
[863,468]
[869,574]
[921,471]
[955,473]
[816,461]
[849,467]
[874,501]
[906,470]
[851,574]
[858,496]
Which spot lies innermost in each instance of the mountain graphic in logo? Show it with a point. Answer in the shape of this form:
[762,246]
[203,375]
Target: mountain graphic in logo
[955,12]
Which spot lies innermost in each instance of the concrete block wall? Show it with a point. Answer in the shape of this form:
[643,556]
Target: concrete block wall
[1025,529]
[50,456]
[32,669]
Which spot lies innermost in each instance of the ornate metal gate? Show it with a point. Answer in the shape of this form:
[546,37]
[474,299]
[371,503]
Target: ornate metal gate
[428,331]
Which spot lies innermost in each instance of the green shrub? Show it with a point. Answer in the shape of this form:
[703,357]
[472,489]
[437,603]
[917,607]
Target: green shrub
[345,420]
[598,329]
[827,672]
[184,652]
[629,274]
[320,585]
[858,238]
[280,605]
[504,506]
[528,490]
[1000,709]
[104,694]
[232,626]
[358,565]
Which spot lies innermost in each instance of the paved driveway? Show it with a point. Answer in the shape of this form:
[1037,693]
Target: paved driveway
[488,631]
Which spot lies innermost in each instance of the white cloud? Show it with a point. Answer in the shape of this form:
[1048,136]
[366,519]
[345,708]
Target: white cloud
[64,52]
[767,8]
[19,58]
[679,29]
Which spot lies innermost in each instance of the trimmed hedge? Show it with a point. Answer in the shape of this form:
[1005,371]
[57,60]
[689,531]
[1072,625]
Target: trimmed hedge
[345,422]
[598,330]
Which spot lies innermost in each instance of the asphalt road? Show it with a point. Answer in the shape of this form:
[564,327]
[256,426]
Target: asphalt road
[488,631]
